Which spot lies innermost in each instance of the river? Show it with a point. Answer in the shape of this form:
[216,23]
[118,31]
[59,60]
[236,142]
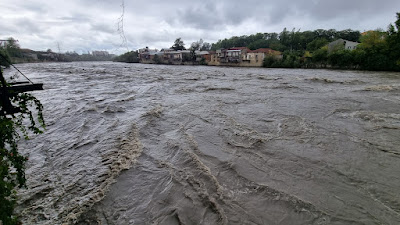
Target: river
[158,144]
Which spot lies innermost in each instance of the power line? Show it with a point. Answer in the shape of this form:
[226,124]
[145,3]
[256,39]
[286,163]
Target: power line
[121,27]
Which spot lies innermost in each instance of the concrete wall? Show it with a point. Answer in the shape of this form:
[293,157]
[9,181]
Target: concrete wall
[350,45]
[254,59]
[214,60]
[248,60]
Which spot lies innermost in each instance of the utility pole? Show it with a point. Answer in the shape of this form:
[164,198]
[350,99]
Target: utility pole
[58,47]
[120,28]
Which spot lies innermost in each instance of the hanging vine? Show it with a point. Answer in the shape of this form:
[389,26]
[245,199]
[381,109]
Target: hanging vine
[13,126]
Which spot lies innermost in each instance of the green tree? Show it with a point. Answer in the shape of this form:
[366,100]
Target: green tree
[359,57]
[373,39]
[195,46]
[305,38]
[284,37]
[341,58]
[316,44]
[376,52]
[275,45]
[4,58]
[157,59]
[128,57]
[178,45]
[13,48]
[320,55]
[349,34]
[261,43]
[206,46]
[295,37]
[270,62]
[291,60]
[393,41]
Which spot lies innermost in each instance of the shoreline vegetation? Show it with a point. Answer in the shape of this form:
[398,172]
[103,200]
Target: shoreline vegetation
[377,50]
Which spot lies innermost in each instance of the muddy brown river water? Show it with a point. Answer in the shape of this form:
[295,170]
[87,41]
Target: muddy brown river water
[156,144]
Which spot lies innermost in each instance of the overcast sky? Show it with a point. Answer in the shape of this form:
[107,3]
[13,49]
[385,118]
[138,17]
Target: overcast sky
[87,25]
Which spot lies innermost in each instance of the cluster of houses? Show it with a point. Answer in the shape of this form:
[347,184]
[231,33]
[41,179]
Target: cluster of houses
[236,56]
[239,56]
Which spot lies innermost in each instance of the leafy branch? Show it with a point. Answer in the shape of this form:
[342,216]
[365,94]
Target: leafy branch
[12,163]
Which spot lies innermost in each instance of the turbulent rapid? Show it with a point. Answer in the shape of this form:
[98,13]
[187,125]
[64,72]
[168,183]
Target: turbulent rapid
[157,144]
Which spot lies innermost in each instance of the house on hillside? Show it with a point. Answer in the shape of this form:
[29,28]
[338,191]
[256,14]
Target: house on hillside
[256,57]
[242,56]
[203,55]
[236,54]
[172,57]
[214,58]
[146,55]
[221,53]
[230,56]
[217,57]
[342,44]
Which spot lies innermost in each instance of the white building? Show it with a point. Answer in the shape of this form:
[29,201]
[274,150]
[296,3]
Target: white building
[342,44]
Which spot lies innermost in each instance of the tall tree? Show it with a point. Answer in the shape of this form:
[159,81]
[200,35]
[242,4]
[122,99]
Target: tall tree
[5,57]
[284,37]
[393,40]
[13,48]
[206,46]
[371,39]
[197,45]
[349,34]
[261,43]
[178,45]
[316,44]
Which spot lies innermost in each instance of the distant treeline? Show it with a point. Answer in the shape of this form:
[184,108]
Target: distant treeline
[11,52]
[129,57]
[73,56]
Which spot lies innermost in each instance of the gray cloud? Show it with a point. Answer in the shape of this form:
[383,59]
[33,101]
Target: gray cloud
[26,25]
[103,27]
[217,15]
[341,8]
[92,24]
[33,7]
[75,18]
[204,16]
